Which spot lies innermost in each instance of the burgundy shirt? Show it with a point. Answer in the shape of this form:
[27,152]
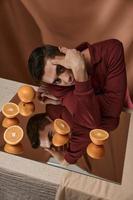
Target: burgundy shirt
[96,103]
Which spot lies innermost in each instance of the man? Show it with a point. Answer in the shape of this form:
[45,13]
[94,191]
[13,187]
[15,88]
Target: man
[90,81]
[40,132]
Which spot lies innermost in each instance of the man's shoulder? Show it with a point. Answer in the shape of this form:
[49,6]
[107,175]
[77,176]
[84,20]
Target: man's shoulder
[109,49]
[102,47]
[108,43]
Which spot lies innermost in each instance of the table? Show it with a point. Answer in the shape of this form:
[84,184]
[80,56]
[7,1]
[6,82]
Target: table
[86,187]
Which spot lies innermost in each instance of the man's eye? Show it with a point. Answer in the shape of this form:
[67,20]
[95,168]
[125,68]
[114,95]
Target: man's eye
[59,69]
[57,81]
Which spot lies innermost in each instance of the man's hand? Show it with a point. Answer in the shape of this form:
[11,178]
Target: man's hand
[73,60]
[52,101]
[44,96]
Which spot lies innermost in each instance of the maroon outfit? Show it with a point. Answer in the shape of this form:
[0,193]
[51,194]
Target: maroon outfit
[96,103]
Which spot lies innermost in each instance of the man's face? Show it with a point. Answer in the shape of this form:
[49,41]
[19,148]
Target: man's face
[46,136]
[57,74]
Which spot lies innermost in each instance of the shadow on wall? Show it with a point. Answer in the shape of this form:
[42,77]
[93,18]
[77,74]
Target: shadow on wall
[19,34]
[28,24]
[63,23]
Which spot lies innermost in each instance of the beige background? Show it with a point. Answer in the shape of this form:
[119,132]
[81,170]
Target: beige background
[26,24]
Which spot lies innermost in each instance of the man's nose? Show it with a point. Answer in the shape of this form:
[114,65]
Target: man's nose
[64,77]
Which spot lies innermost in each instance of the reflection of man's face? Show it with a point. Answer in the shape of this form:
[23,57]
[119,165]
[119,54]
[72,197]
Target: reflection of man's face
[57,74]
[46,136]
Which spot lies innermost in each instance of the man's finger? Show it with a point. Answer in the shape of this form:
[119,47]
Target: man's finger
[58,61]
[63,49]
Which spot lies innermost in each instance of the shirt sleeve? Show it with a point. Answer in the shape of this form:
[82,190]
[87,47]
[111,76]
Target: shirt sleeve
[77,147]
[112,101]
[100,111]
[54,111]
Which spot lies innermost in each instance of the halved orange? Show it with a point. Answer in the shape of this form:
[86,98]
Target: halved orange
[98,136]
[95,151]
[61,127]
[10,110]
[26,109]
[7,122]
[13,135]
[59,140]
[14,149]
[26,93]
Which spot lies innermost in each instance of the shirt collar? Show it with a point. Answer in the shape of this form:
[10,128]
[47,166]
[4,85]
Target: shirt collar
[95,57]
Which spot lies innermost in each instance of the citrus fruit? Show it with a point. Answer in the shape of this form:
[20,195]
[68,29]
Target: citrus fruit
[13,135]
[7,122]
[10,110]
[98,136]
[95,151]
[26,93]
[61,127]
[13,149]
[26,109]
[59,140]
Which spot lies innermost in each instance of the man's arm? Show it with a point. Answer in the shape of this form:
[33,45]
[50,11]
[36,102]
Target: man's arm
[103,110]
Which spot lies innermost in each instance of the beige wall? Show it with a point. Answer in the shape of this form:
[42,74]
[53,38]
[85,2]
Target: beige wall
[26,24]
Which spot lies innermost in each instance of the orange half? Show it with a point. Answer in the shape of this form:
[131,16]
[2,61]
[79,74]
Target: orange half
[14,149]
[59,140]
[61,127]
[26,93]
[26,109]
[7,122]
[95,151]
[98,136]
[13,135]
[10,110]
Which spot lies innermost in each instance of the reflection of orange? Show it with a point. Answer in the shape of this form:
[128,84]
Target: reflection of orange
[7,122]
[10,110]
[26,109]
[59,140]
[61,127]
[13,135]
[26,93]
[95,151]
[14,149]
[98,136]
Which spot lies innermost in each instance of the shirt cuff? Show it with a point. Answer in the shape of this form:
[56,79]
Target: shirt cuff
[81,87]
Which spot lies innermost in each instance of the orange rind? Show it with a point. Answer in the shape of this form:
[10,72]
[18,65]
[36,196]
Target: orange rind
[13,135]
[26,109]
[95,151]
[10,110]
[26,93]
[98,136]
[61,127]
[7,122]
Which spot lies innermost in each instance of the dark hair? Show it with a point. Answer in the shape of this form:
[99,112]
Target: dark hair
[36,123]
[38,58]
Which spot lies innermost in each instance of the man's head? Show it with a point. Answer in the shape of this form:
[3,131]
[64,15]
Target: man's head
[42,69]
[39,130]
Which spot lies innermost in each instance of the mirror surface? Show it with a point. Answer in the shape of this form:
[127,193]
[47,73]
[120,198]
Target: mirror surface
[110,167]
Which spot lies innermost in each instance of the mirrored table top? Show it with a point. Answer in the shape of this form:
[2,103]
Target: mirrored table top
[110,167]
